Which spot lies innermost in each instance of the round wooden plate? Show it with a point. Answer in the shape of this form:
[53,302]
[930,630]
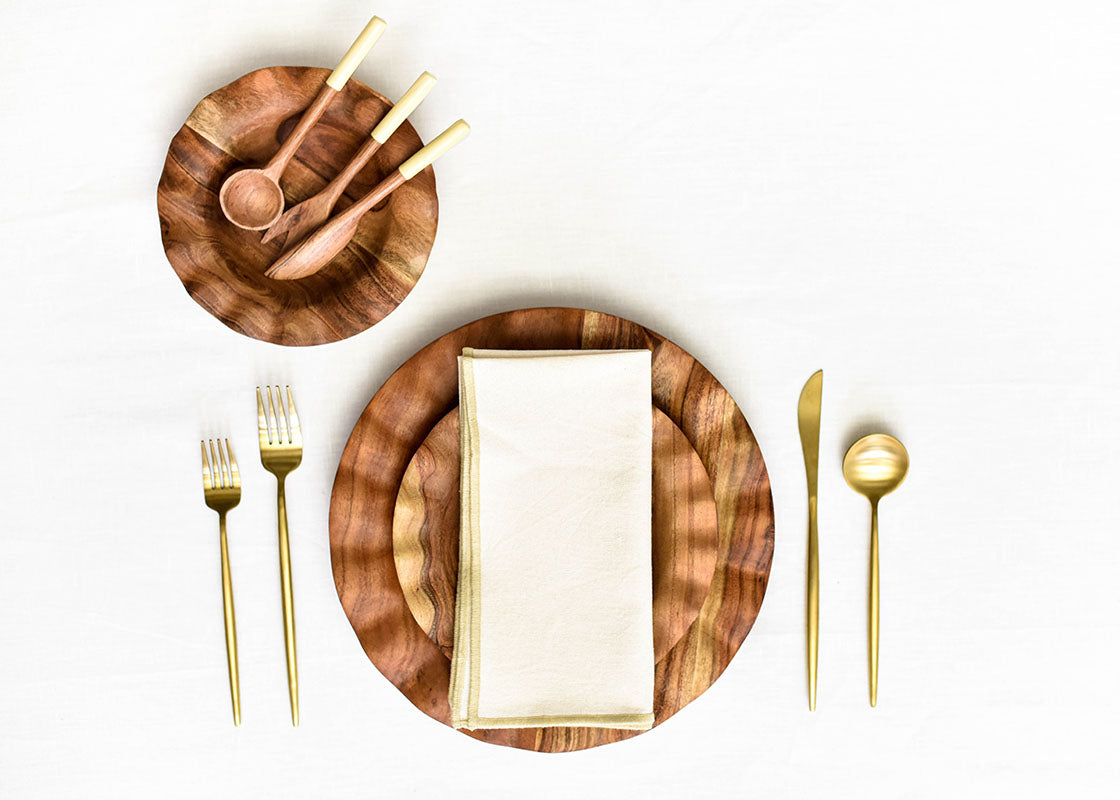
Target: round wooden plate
[222,266]
[426,533]
[403,414]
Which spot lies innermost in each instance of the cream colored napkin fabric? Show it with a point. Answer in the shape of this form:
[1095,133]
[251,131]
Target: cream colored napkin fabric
[554,608]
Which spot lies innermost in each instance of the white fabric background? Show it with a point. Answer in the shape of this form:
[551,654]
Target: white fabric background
[918,197]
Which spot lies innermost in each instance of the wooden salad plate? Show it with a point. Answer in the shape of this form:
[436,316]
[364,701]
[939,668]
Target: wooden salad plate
[426,533]
[394,518]
[222,266]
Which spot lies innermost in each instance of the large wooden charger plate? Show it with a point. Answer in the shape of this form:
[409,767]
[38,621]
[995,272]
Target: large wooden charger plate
[407,414]
[222,266]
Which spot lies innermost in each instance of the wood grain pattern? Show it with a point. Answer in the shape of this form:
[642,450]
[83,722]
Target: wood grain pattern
[222,267]
[423,390]
[426,533]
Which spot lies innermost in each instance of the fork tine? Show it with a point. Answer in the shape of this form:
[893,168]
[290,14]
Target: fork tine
[273,417]
[207,483]
[218,484]
[227,480]
[282,420]
[273,425]
[296,437]
[234,472]
[262,423]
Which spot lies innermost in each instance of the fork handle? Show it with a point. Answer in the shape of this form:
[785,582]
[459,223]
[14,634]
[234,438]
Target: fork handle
[286,600]
[231,623]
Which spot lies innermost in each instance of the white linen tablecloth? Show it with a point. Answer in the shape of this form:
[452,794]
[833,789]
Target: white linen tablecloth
[919,198]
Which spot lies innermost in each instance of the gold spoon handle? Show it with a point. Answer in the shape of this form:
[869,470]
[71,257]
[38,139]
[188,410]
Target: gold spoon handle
[231,623]
[873,609]
[287,602]
[812,603]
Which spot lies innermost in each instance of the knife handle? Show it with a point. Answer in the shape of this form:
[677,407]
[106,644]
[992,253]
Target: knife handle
[454,134]
[812,603]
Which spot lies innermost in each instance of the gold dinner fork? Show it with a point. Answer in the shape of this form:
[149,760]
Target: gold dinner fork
[281,452]
[221,486]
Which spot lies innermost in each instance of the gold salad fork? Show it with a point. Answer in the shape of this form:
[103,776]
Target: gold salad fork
[221,486]
[281,452]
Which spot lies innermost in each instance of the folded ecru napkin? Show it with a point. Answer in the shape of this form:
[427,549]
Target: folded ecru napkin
[554,606]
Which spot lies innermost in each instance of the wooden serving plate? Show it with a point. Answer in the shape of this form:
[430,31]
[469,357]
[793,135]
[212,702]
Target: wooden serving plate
[400,428]
[222,266]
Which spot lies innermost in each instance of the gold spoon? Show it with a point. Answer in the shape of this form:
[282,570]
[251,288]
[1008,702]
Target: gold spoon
[875,466]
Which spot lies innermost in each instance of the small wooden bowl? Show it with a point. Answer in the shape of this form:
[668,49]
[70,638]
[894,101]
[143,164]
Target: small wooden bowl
[222,266]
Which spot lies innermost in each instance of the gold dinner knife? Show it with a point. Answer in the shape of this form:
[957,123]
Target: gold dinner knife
[809,424]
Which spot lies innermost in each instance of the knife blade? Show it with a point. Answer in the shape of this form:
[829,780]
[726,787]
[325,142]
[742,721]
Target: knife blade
[809,425]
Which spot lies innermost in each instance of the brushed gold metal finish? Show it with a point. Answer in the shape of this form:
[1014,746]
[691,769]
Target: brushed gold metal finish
[809,425]
[875,466]
[221,487]
[281,452]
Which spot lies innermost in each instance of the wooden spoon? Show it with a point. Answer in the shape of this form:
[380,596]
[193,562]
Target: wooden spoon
[302,218]
[252,198]
[314,252]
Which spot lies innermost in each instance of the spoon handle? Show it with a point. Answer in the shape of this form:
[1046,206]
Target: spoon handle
[873,609]
[335,81]
[276,165]
[358,51]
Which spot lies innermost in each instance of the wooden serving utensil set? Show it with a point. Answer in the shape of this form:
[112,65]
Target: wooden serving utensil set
[251,198]
[874,466]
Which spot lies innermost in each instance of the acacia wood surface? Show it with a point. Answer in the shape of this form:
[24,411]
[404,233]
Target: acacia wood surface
[222,266]
[424,390]
[684,535]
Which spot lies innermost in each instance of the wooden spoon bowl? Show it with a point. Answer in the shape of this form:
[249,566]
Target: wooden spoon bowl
[252,196]
[222,266]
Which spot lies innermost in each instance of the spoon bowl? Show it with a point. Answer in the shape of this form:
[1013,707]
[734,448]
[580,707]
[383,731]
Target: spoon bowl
[876,465]
[251,199]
